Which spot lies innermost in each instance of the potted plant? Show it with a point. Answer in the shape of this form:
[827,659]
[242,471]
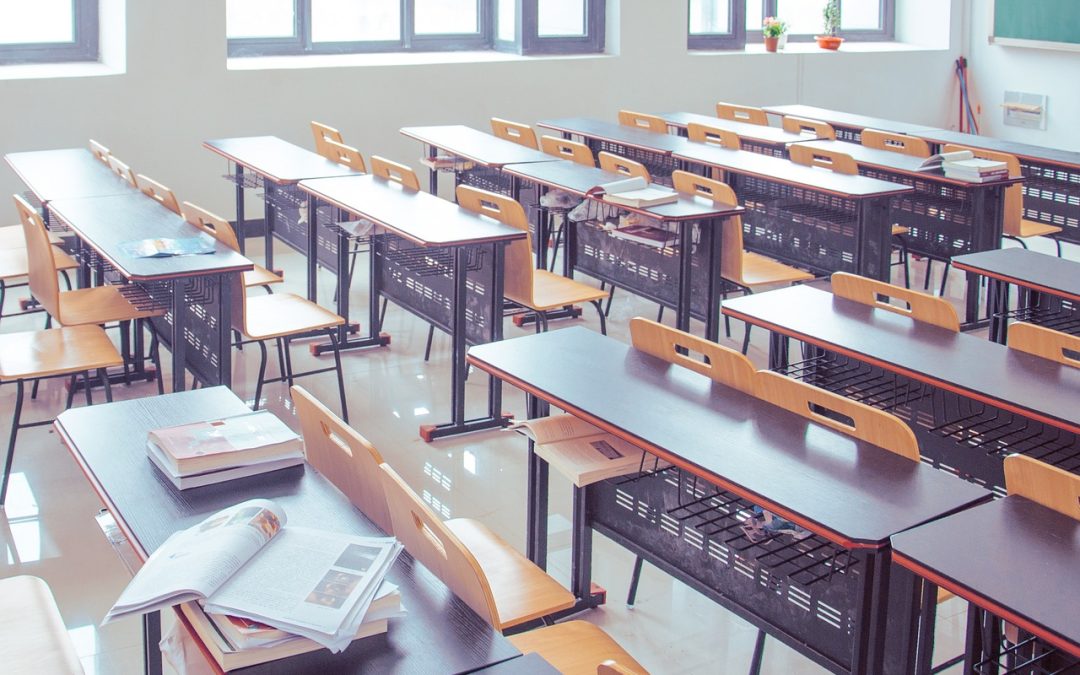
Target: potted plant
[772,29]
[831,14]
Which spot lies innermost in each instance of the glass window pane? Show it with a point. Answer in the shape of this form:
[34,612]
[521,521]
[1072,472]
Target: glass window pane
[710,17]
[23,22]
[446,17]
[259,18]
[754,15]
[803,16]
[507,25]
[560,18]
[355,21]
[860,15]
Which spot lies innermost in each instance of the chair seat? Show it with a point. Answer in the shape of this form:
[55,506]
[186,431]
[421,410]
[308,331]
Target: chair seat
[1033,228]
[575,648]
[898,230]
[551,291]
[281,314]
[14,263]
[33,640]
[758,270]
[522,591]
[12,236]
[260,276]
[55,351]
[97,305]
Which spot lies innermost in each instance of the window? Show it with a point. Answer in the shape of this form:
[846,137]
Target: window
[266,27]
[48,31]
[728,24]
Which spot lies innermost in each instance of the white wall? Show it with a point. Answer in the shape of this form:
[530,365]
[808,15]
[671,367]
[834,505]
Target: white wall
[177,91]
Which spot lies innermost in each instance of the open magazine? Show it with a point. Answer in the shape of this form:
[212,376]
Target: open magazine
[203,244]
[243,561]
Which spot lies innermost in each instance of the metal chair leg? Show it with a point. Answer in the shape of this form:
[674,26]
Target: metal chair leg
[262,374]
[382,312]
[87,394]
[73,384]
[926,281]
[125,349]
[635,577]
[280,357]
[155,357]
[11,440]
[759,653]
[603,319]
[611,295]
[430,337]
[3,296]
[288,361]
[660,314]
[103,375]
[945,277]
[67,278]
[340,375]
[746,338]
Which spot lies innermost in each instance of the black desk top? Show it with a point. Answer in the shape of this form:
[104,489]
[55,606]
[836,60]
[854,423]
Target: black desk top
[757,132]
[417,216]
[439,634]
[579,179]
[476,146]
[278,161]
[848,119]
[850,492]
[106,222]
[1012,557]
[1033,387]
[786,171]
[1037,152]
[1030,269]
[900,163]
[662,144]
[68,173]
[528,664]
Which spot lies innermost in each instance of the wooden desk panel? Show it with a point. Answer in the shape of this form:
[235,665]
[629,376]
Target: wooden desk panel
[279,161]
[69,173]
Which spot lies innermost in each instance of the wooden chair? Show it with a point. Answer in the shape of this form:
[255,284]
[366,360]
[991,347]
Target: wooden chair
[490,576]
[100,152]
[703,133]
[33,638]
[807,127]
[621,165]
[902,143]
[45,354]
[515,132]
[538,290]
[223,231]
[919,306]
[1054,488]
[322,134]
[158,192]
[390,170]
[742,113]
[345,155]
[578,648]
[121,169]
[1045,342]
[15,266]
[343,456]
[563,148]
[743,269]
[643,121]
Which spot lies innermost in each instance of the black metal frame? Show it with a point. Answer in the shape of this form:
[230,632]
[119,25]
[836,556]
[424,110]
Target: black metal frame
[84,46]
[1040,308]
[738,33]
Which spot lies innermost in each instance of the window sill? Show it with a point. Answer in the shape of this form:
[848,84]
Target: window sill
[42,71]
[812,48]
[390,59]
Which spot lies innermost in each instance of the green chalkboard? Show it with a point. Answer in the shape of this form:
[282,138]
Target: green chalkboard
[1038,20]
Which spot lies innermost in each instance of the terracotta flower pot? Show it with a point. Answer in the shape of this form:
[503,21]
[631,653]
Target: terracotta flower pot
[828,41]
[771,43]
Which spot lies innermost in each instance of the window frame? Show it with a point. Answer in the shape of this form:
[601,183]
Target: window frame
[84,47]
[885,33]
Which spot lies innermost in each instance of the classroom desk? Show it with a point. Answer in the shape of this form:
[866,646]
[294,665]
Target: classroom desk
[848,126]
[651,149]
[730,452]
[194,290]
[66,173]
[944,216]
[690,284]
[1012,560]
[805,216]
[969,401]
[753,137]
[436,260]
[1052,188]
[1049,288]
[440,632]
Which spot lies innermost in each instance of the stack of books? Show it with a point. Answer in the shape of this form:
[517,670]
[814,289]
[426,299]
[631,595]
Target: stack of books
[193,455]
[963,165]
[634,192]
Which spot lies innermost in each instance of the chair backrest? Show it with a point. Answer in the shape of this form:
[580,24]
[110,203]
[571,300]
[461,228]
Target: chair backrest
[121,169]
[41,266]
[391,170]
[1044,484]
[731,237]
[741,113]
[703,133]
[1013,210]
[515,132]
[345,155]
[621,165]
[874,426]
[428,540]
[826,159]
[100,152]
[567,149]
[806,127]
[1044,342]
[158,192]
[518,263]
[722,364]
[920,306]
[643,121]
[322,134]
[902,143]
[222,230]
[343,456]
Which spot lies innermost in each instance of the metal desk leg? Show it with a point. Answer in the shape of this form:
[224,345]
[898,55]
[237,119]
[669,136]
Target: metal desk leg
[998,292]
[240,221]
[581,562]
[151,638]
[374,337]
[268,236]
[178,344]
[313,254]
[686,257]
[224,327]
[537,504]
[778,351]
[433,174]
[711,236]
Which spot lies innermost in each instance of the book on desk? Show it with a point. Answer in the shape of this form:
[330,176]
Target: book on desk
[634,192]
[964,165]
